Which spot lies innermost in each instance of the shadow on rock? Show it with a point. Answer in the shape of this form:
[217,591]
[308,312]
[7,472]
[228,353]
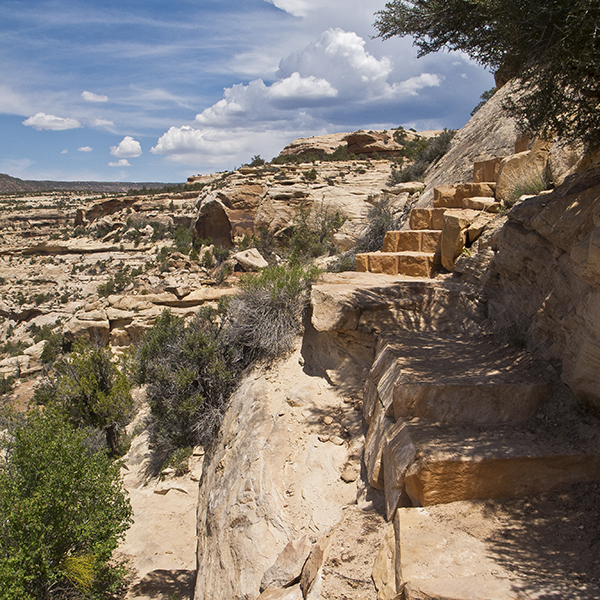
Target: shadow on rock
[162,583]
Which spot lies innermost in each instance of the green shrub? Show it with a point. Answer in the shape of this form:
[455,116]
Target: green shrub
[422,152]
[313,233]
[189,376]
[63,512]
[221,254]
[208,261]
[6,384]
[310,175]
[381,218]
[343,262]
[182,239]
[256,161]
[91,391]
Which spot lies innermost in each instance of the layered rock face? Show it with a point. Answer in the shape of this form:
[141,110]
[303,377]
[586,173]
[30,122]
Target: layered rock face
[544,279]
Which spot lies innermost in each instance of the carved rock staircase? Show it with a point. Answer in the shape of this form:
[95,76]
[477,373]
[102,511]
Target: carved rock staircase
[436,235]
[457,433]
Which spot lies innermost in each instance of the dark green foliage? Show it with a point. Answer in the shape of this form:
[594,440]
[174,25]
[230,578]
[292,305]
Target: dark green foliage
[551,49]
[339,154]
[208,260]
[119,281]
[63,512]
[91,391]
[257,161]
[313,233]
[182,239]
[266,316]
[221,254]
[423,152]
[310,175]
[56,342]
[484,98]
[189,378]
[6,384]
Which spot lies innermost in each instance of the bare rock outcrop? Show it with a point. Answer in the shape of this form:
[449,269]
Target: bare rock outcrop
[544,279]
[489,134]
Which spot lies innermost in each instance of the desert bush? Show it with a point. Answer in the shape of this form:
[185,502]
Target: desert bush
[182,239]
[344,262]
[423,153]
[208,260]
[313,233]
[63,512]
[91,391]
[381,218]
[6,384]
[266,316]
[189,378]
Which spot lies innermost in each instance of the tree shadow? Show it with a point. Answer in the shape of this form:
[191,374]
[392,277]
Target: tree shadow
[551,543]
[162,583]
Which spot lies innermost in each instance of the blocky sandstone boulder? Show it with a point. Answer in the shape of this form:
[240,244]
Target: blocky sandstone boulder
[456,223]
[523,171]
[250,260]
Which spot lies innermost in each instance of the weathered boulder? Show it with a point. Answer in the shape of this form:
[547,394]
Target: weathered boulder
[543,282]
[454,234]
[93,324]
[369,143]
[522,172]
[250,260]
[288,566]
[213,222]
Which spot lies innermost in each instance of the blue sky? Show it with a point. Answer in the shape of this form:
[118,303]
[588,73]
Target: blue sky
[158,90]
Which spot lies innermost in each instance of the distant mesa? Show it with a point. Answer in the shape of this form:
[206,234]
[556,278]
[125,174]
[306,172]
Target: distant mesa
[369,144]
[11,185]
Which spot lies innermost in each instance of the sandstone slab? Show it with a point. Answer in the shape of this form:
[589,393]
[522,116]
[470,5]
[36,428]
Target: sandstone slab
[456,222]
[454,463]
[496,550]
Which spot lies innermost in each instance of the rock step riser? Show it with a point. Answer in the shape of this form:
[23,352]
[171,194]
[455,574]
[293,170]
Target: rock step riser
[413,264]
[413,241]
[468,403]
[451,481]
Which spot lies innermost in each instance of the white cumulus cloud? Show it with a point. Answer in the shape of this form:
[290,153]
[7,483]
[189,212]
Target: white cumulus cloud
[65,151]
[413,85]
[332,76]
[121,163]
[127,148]
[306,88]
[91,97]
[42,121]
[84,149]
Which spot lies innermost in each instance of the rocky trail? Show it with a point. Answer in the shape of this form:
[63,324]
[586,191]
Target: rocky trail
[433,435]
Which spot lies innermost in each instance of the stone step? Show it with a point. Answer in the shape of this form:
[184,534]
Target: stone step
[427,463]
[458,379]
[427,218]
[481,203]
[452,196]
[421,240]
[526,548]
[487,170]
[455,379]
[413,264]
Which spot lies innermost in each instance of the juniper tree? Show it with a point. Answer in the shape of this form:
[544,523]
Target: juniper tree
[551,49]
